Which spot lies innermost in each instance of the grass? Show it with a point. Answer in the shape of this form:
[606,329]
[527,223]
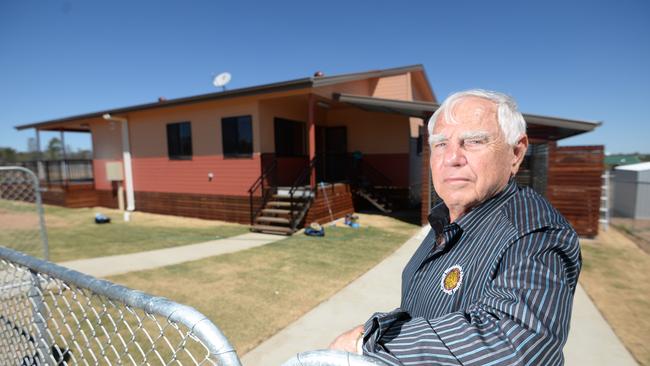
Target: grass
[253,294]
[616,276]
[73,234]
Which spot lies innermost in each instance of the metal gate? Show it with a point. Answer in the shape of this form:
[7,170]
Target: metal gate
[22,221]
[51,315]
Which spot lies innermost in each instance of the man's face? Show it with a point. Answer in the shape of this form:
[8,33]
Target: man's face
[470,159]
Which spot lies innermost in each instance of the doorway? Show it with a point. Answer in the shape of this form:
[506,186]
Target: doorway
[332,153]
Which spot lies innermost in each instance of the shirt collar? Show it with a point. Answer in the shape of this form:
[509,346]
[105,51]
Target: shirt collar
[439,217]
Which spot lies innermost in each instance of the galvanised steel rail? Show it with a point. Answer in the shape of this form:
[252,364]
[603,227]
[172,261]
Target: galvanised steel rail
[51,315]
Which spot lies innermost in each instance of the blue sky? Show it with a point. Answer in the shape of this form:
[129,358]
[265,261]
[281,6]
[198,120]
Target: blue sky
[576,59]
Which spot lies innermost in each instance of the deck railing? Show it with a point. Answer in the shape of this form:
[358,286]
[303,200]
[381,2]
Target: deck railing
[60,172]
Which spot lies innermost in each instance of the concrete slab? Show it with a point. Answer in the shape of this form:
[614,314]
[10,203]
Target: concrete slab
[123,263]
[377,290]
[591,340]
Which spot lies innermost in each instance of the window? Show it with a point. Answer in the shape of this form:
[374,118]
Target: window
[237,136]
[289,138]
[179,141]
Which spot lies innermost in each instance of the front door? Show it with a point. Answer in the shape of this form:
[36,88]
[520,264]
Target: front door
[332,150]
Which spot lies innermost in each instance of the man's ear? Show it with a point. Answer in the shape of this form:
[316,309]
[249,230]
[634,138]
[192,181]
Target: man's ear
[519,151]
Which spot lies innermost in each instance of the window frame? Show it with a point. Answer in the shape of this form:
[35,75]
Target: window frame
[178,153]
[238,154]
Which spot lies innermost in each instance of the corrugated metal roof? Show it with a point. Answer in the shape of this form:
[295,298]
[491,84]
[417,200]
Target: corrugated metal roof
[635,167]
[309,82]
[562,127]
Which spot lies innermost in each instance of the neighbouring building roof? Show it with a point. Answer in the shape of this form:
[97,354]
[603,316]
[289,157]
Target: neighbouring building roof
[635,167]
[621,159]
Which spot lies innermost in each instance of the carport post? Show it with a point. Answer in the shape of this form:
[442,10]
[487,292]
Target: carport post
[311,123]
[40,170]
[64,165]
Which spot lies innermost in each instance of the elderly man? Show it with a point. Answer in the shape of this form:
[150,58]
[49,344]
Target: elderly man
[493,281]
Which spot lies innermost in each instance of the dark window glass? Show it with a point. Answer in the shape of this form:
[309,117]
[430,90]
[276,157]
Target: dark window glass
[289,138]
[237,136]
[179,140]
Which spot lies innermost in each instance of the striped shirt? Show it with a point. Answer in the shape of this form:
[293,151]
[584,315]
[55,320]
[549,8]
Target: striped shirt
[493,288]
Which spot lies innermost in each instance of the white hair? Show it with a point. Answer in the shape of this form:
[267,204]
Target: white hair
[510,120]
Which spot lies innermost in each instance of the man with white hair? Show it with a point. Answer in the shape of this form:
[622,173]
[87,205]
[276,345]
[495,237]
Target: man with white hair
[493,281]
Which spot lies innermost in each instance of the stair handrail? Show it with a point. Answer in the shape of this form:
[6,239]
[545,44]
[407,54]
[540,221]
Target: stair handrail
[259,183]
[365,171]
[306,172]
[383,179]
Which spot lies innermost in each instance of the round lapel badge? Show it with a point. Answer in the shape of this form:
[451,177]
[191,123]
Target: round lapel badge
[451,280]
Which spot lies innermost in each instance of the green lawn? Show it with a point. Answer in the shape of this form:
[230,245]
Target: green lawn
[253,294]
[73,234]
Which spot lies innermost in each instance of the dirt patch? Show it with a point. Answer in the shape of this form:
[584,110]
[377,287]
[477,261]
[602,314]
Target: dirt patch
[146,218]
[18,221]
[59,217]
[636,229]
[26,221]
[383,222]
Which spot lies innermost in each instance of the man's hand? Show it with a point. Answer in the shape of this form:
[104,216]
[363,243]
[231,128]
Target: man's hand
[348,340]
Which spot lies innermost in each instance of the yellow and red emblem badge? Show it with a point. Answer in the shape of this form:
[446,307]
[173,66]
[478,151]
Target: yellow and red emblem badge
[451,280]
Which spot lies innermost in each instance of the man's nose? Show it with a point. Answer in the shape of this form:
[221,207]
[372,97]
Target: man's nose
[454,155]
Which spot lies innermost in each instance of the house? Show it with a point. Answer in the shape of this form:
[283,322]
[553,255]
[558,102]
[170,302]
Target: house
[284,154]
[632,190]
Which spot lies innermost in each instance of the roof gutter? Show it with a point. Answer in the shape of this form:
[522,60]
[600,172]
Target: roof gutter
[126,158]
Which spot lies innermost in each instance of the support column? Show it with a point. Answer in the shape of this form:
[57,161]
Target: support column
[128,169]
[311,128]
[40,169]
[426,175]
[64,165]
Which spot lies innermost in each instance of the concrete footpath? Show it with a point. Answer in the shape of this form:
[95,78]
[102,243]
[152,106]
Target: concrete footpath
[123,263]
[591,340]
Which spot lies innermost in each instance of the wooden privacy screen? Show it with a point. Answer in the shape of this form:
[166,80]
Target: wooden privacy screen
[574,184]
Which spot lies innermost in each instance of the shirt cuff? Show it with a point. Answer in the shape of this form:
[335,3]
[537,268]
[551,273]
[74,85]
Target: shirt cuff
[377,326]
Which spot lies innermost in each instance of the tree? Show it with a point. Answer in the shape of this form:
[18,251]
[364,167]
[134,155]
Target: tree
[7,155]
[54,149]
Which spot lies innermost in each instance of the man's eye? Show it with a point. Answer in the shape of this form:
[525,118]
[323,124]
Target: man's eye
[474,142]
[439,145]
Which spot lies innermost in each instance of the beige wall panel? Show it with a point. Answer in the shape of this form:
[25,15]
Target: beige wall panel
[295,108]
[149,132]
[359,87]
[107,139]
[393,87]
[372,132]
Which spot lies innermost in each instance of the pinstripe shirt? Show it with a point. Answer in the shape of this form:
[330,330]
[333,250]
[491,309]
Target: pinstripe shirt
[493,288]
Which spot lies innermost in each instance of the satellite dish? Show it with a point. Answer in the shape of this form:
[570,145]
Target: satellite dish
[221,80]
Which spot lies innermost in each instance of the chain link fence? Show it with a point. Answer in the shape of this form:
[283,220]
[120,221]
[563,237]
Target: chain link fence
[50,315]
[22,221]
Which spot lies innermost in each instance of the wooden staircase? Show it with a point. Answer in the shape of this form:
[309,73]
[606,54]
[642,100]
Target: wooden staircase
[284,211]
[377,200]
